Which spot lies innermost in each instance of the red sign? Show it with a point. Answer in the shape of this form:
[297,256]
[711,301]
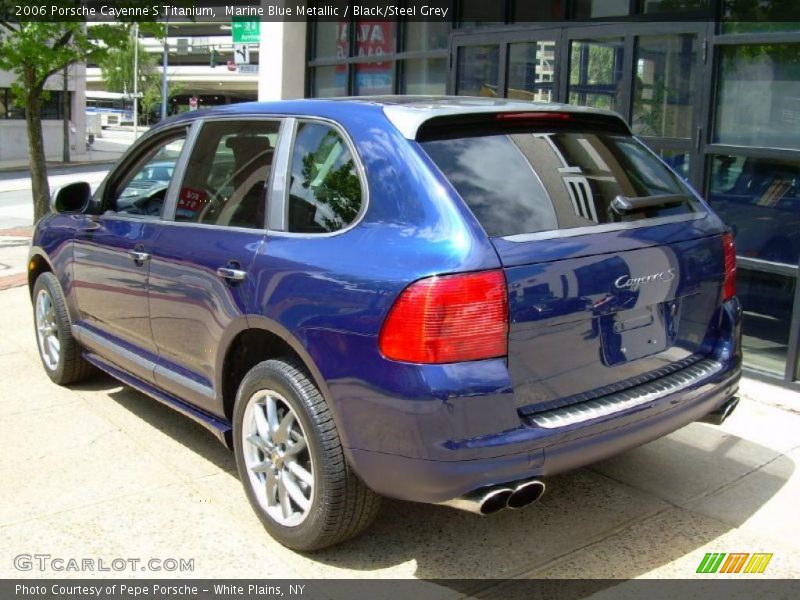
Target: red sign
[192,200]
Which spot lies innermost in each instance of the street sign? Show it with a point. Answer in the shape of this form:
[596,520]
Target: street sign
[245,32]
[241,54]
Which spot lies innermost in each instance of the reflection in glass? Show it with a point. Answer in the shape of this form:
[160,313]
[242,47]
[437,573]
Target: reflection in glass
[374,78]
[595,73]
[325,192]
[531,71]
[678,160]
[425,35]
[375,39]
[746,16]
[598,9]
[424,76]
[329,82]
[480,13]
[661,6]
[478,69]
[540,10]
[663,92]
[767,300]
[759,87]
[760,200]
[528,182]
[330,39]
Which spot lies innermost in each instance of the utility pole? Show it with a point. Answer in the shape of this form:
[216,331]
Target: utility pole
[135,81]
[164,73]
[65,110]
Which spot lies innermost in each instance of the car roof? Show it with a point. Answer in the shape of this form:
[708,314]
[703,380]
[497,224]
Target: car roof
[407,113]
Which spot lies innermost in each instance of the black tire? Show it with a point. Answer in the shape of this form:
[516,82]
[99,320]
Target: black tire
[70,367]
[341,506]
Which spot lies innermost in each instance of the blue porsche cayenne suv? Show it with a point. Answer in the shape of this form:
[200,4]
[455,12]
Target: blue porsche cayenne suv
[441,300]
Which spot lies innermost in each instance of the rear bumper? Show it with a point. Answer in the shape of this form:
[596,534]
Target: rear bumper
[546,451]
[525,450]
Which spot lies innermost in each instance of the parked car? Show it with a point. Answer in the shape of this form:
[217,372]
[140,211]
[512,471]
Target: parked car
[441,300]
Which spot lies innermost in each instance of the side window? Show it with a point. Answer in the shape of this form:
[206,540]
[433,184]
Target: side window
[142,188]
[227,174]
[324,188]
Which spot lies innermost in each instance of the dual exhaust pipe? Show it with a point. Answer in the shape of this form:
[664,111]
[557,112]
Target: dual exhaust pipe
[492,499]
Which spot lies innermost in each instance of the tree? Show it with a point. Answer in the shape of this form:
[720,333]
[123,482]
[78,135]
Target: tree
[35,50]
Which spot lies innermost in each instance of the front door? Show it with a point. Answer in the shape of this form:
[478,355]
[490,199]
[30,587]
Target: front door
[200,280]
[112,253]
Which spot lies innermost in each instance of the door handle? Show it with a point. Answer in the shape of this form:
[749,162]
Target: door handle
[232,274]
[138,256]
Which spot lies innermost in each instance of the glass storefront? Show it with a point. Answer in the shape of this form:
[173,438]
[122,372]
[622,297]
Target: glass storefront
[596,70]
[719,101]
[759,96]
[664,86]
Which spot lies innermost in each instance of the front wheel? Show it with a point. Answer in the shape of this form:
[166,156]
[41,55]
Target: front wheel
[291,462]
[62,356]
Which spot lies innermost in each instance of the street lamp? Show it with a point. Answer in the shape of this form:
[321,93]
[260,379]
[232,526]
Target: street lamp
[135,81]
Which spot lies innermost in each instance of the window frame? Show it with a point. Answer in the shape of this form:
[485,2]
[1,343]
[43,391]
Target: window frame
[132,160]
[171,202]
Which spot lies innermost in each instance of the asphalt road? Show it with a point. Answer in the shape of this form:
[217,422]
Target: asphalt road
[16,199]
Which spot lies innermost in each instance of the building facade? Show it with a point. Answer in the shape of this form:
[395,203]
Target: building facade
[712,85]
[13,130]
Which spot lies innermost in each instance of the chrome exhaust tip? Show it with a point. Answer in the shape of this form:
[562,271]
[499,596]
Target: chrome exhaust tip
[484,501]
[526,493]
[723,412]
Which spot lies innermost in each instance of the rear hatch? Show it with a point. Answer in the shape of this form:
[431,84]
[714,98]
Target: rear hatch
[614,268]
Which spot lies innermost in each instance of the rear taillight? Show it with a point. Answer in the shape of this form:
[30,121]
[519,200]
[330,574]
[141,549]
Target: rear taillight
[729,252]
[448,319]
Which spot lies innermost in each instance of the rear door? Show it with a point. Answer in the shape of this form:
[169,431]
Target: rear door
[201,282]
[614,267]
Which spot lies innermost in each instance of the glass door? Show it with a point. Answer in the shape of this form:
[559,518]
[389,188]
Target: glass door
[650,73]
[519,64]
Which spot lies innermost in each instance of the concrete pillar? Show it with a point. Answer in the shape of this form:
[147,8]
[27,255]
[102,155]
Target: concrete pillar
[282,57]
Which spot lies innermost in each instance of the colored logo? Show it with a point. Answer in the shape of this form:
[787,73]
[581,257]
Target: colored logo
[735,562]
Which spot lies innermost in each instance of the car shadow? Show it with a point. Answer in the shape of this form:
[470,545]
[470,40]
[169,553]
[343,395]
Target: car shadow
[613,509]
[164,419]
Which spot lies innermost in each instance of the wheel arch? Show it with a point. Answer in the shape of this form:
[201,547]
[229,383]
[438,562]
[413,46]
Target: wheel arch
[38,263]
[254,340]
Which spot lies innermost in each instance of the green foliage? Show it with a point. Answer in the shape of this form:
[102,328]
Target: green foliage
[117,68]
[340,188]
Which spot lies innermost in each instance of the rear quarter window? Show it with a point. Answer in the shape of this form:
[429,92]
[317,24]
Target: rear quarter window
[519,182]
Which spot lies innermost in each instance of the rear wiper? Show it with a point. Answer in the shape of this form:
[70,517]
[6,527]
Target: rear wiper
[623,204]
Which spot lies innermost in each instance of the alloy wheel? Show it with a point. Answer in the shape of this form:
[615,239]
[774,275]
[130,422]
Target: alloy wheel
[277,458]
[47,330]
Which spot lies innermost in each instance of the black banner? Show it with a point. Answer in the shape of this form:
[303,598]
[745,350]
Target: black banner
[345,589]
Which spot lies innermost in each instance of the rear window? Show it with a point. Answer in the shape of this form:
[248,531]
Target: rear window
[531,181]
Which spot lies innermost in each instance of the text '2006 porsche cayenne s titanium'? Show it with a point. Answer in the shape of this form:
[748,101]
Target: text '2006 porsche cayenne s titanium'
[441,300]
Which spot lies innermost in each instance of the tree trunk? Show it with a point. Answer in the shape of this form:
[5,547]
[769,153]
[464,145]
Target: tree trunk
[65,109]
[38,166]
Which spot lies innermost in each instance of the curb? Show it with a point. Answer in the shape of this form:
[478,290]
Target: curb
[61,165]
[13,281]
[17,232]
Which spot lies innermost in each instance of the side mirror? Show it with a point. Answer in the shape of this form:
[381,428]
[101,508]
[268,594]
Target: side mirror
[72,198]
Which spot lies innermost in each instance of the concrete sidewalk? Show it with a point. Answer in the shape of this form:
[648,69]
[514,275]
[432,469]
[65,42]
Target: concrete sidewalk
[99,470]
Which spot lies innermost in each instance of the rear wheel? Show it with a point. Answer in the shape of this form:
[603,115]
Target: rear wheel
[291,462]
[62,356]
